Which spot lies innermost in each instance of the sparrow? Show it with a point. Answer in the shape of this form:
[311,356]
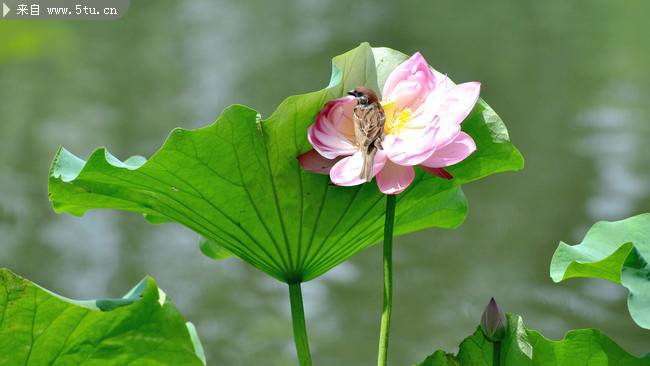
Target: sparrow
[369,119]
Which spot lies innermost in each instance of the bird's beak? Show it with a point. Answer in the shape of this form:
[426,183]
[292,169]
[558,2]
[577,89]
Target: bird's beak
[351,92]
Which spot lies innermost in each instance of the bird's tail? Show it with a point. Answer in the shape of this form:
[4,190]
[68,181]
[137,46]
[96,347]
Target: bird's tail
[367,169]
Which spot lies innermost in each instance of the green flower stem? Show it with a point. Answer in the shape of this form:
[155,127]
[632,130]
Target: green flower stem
[299,326]
[496,353]
[382,357]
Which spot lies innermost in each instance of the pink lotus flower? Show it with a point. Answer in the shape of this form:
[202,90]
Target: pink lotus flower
[424,111]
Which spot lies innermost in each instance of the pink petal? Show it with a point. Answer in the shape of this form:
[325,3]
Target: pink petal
[453,108]
[410,83]
[416,140]
[332,134]
[459,102]
[411,146]
[438,172]
[316,163]
[454,152]
[445,133]
[394,179]
[346,172]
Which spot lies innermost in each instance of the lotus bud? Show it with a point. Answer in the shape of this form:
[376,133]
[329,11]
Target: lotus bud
[493,322]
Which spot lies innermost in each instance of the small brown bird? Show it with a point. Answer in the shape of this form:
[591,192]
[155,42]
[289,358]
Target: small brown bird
[369,119]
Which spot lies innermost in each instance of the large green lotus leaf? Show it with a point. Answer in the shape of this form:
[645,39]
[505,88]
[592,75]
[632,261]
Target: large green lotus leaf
[237,182]
[524,347]
[616,251]
[143,328]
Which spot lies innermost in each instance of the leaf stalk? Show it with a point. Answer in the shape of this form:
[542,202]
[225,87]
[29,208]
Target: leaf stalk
[299,325]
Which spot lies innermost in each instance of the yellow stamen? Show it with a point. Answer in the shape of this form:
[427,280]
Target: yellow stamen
[395,119]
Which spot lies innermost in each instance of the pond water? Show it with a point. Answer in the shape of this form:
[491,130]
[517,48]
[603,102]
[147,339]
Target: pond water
[570,80]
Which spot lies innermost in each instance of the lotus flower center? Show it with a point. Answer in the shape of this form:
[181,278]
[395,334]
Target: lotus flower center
[395,119]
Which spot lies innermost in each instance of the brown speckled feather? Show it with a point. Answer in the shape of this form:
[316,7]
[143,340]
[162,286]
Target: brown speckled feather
[369,119]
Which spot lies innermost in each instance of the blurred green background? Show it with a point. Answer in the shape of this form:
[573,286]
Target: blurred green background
[570,78]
